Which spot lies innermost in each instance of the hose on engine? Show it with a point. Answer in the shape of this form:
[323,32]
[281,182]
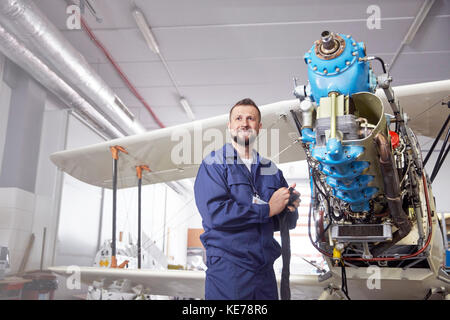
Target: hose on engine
[382,63]
[329,206]
[330,255]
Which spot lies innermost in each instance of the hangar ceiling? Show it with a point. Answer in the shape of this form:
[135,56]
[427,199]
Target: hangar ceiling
[222,51]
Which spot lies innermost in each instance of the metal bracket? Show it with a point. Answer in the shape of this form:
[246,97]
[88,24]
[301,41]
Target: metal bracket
[325,276]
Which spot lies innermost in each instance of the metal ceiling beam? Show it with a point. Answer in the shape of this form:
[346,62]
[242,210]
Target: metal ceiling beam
[418,20]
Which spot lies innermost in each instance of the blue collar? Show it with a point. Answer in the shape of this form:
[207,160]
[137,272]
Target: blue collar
[229,152]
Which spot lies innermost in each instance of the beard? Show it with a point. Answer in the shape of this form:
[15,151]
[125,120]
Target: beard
[245,141]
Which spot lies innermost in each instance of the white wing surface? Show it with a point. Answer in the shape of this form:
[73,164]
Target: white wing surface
[156,149]
[389,284]
[422,103]
[160,150]
[181,283]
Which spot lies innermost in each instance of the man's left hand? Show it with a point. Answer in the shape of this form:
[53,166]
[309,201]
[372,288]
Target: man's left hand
[296,203]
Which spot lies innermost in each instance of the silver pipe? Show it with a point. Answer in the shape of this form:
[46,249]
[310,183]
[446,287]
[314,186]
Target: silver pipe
[29,24]
[23,57]
[89,125]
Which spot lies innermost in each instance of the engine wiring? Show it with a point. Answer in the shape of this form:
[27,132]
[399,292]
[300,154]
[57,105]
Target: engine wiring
[314,177]
[314,186]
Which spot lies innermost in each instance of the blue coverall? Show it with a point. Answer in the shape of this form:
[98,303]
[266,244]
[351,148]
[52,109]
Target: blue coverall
[238,236]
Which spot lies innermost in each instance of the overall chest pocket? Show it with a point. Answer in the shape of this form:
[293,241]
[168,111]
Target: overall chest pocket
[269,187]
[240,188]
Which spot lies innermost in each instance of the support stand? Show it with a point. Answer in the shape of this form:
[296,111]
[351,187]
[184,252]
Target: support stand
[115,155]
[139,170]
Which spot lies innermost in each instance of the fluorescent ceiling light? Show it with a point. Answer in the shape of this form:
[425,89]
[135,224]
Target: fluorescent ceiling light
[145,30]
[187,108]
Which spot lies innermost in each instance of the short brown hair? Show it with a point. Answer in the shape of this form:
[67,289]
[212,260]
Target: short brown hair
[246,102]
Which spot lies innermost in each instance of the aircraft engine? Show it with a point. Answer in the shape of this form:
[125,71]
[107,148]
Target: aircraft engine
[364,176]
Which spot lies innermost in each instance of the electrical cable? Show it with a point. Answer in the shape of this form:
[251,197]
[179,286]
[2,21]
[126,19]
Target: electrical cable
[309,219]
[344,287]
[330,208]
[430,233]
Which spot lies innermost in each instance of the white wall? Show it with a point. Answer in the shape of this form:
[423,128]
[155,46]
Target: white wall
[80,208]
[165,218]
[5,99]
[47,187]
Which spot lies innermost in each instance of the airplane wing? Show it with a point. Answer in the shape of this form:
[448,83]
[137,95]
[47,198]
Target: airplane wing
[158,149]
[422,103]
[181,283]
[388,284]
[175,283]
[155,149]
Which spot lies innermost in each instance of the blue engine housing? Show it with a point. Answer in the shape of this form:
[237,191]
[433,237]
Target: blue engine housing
[341,71]
[344,74]
[345,174]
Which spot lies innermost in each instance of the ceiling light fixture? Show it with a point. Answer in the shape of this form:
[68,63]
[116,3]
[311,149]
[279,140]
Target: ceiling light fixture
[149,37]
[187,108]
[145,30]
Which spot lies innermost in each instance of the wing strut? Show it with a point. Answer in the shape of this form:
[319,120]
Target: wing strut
[441,158]
[139,170]
[115,155]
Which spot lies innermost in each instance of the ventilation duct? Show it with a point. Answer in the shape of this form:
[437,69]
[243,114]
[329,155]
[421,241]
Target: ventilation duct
[20,55]
[30,25]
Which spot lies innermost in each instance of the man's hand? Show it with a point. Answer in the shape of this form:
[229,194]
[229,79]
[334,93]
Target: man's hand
[280,199]
[294,196]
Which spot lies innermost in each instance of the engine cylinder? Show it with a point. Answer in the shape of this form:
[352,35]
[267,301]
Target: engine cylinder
[351,165]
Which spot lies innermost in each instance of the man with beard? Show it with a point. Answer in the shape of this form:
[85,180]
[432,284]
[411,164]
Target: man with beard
[239,195]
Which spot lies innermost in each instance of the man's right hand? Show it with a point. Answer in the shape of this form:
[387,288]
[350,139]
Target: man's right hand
[278,201]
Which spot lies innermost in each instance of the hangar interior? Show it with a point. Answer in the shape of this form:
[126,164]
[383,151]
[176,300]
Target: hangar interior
[206,55]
